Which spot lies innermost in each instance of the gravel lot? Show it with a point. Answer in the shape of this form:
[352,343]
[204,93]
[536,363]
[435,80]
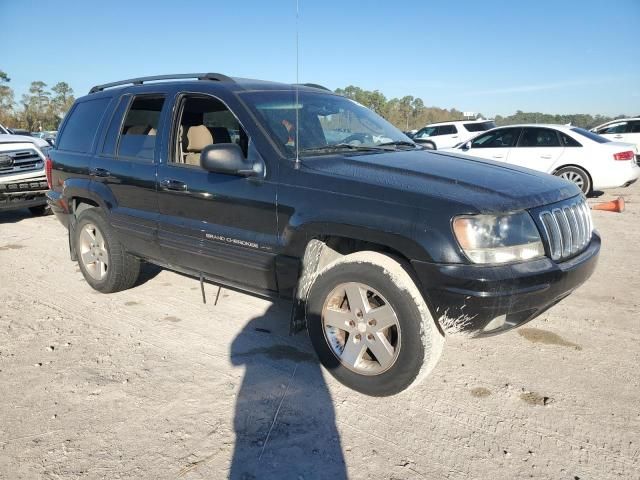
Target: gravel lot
[151,383]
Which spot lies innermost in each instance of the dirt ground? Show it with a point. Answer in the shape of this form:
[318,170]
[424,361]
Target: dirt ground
[151,383]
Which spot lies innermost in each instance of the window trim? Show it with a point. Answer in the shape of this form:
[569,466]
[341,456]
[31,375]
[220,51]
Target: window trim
[176,113]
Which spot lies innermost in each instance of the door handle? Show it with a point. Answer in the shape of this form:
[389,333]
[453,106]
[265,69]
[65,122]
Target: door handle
[617,136]
[99,172]
[546,157]
[498,156]
[174,185]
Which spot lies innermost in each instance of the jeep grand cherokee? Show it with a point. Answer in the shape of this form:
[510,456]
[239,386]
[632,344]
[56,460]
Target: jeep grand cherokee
[294,192]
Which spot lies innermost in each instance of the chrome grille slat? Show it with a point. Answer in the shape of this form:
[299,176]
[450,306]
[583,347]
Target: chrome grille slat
[23,161]
[567,229]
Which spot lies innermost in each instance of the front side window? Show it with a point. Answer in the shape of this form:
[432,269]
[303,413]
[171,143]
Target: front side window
[502,138]
[613,129]
[539,137]
[322,123]
[82,125]
[140,127]
[204,121]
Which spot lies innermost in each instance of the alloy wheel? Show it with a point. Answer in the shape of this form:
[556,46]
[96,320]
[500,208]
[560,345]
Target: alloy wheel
[93,252]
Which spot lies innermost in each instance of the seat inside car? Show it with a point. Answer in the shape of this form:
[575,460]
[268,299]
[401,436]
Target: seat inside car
[197,137]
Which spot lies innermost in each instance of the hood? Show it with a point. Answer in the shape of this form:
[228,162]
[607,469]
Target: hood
[4,138]
[482,185]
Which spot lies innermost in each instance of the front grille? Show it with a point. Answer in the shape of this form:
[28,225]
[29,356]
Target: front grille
[567,229]
[23,161]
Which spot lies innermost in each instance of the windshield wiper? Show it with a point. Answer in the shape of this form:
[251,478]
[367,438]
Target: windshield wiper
[340,146]
[397,143]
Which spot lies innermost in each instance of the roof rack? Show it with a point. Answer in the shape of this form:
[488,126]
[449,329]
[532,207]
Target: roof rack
[218,77]
[313,85]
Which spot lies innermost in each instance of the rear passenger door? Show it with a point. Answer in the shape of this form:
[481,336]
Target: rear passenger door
[223,226]
[538,148]
[124,171]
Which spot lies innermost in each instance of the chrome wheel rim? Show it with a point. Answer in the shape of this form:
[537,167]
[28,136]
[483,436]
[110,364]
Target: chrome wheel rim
[93,252]
[573,177]
[361,328]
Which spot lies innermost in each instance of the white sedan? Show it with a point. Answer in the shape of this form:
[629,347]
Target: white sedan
[575,154]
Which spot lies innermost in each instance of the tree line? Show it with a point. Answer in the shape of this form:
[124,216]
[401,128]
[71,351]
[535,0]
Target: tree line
[43,109]
[39,109]
[408,113]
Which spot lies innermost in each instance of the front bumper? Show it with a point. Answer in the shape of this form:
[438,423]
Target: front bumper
[24,193]
[466,298]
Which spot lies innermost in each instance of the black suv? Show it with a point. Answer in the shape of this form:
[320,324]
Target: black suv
[291,191]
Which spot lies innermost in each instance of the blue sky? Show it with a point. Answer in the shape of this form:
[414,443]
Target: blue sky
[493,57]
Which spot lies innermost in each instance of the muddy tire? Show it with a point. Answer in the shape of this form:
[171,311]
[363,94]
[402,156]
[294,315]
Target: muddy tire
[104,262]
[370,325]
[577,176]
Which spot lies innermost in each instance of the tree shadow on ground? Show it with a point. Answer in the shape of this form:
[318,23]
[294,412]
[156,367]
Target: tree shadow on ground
[282,380]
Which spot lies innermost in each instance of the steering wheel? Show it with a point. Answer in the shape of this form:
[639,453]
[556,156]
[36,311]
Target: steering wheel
[360,138]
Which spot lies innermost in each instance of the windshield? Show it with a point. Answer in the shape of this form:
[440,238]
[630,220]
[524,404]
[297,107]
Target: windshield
[326,123]
[590,135]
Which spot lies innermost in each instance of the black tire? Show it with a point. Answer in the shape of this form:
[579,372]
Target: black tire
[123,268]
[577,176]
[421,341]
[40,210]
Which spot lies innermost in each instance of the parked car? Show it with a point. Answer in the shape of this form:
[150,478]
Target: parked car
[23,183]
[381,245]
[448,134]
[575,154]
[623,130]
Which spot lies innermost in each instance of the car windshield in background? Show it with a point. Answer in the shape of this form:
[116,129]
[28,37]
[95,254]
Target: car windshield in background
[326,123]
[479,126]
[590,135]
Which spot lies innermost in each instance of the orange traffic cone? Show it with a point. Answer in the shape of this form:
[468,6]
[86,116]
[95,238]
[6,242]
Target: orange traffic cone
[616,205]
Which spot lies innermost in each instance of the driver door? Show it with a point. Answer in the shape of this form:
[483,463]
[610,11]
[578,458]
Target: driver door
[221,225]
[494,145]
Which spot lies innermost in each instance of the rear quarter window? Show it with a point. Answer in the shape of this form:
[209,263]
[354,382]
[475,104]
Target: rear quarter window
[80,129]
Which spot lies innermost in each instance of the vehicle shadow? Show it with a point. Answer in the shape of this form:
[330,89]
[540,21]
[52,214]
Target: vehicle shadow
[284,417]
[15,216]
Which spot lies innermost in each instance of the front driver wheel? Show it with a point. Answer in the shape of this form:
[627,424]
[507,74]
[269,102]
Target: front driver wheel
[40,210]
[577,176]
[370,325]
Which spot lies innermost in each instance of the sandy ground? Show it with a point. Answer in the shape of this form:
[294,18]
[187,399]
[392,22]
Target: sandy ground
[151,383]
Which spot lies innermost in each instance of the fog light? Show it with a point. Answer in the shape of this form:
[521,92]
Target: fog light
[496,323]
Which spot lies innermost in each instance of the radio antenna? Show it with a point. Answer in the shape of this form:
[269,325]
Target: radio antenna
[297,162]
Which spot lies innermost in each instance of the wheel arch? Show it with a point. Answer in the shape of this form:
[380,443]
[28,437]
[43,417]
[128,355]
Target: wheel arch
[579,167]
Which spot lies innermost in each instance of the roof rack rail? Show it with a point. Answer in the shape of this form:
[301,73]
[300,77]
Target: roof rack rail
[218,77]
[313,85]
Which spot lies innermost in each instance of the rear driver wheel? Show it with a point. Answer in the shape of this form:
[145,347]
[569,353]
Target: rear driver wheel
[577,176]
[104,262]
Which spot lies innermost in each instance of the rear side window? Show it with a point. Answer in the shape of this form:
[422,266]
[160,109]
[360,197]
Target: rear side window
[82,125]
[111,139]
[140,127]
[479,126]
[567,141]
[447,130]
[539,137]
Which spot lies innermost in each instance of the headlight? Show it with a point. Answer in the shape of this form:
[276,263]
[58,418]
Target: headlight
[504,238]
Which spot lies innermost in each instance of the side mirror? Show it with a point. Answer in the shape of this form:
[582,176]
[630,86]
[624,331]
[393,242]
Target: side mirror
[226,158]
[466,146]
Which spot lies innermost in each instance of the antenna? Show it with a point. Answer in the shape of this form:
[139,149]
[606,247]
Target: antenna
[297,162]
